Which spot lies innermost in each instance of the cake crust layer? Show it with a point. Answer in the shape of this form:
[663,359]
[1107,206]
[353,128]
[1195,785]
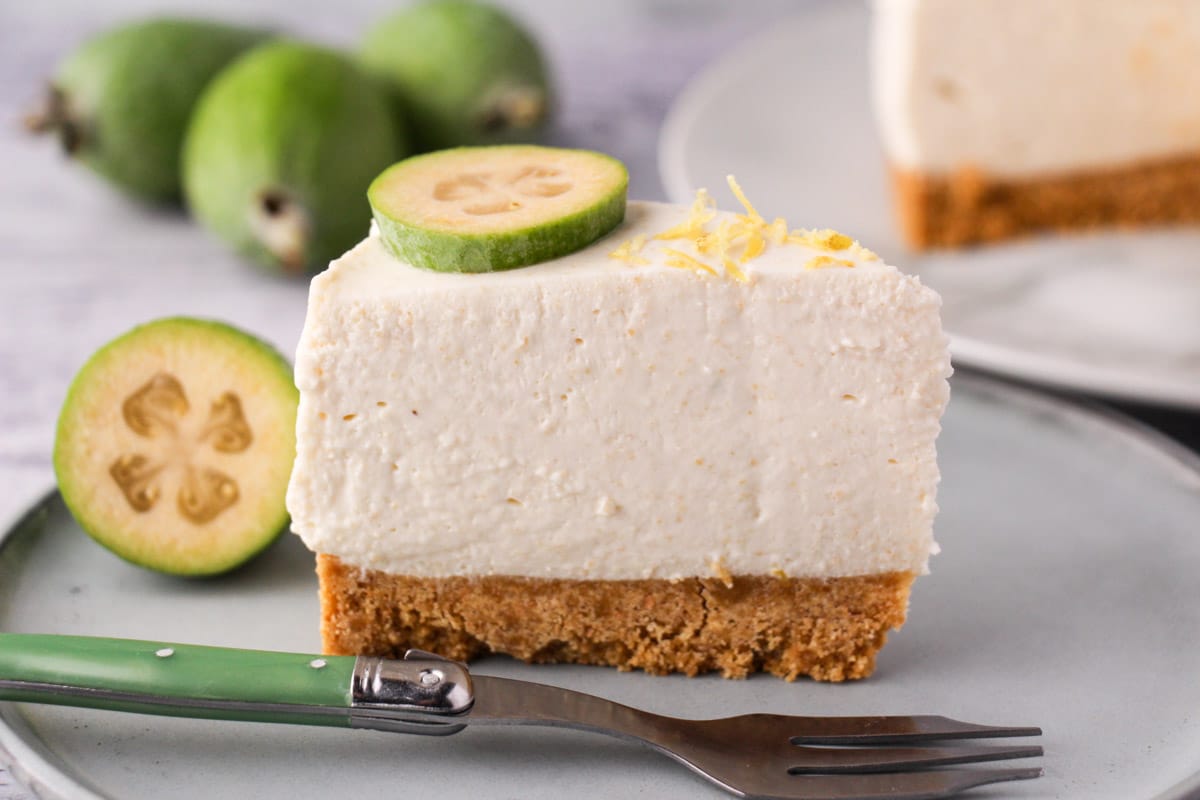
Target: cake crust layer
[970,207]
[827,628]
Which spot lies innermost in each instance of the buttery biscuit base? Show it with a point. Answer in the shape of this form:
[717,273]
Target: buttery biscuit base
[969,207]
[829,629]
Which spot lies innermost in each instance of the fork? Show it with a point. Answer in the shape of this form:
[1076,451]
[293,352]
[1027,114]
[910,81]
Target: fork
[752,755]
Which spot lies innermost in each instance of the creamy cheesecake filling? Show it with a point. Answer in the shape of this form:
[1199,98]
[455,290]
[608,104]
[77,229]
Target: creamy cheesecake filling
[603,418]
[1014,91]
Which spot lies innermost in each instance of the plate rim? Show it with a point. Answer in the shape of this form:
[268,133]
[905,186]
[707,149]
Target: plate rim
[1061,372]
[30,768]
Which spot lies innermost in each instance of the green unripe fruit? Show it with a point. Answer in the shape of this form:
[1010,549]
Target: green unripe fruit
[121,102]
[280,152]
[465,72]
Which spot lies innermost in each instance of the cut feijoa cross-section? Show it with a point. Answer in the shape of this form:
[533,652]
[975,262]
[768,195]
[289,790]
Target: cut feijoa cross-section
[175,445]
[482,209]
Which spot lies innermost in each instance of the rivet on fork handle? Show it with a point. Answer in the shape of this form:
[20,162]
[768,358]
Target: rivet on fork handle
[423,694]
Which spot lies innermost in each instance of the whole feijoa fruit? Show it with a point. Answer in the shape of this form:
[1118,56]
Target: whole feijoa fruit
[466,72]
[281,149]
[175,445]
[121,102]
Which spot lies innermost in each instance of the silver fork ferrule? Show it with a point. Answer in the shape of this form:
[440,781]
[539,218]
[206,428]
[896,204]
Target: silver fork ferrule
[423,693]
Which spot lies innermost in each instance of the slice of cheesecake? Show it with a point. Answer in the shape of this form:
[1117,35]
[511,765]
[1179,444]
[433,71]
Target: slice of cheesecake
[633,455]
[1002,119]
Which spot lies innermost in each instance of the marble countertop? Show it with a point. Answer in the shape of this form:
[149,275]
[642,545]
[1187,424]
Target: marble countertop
[80,264]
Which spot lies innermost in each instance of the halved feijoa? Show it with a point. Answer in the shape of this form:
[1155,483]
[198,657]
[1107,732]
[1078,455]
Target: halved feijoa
[175,445]
[480,209]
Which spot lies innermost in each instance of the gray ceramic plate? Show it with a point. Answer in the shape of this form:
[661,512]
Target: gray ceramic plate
[788,113]
[1067,596]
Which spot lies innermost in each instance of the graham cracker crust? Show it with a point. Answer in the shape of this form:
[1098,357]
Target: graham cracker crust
[971,207]
[828,629]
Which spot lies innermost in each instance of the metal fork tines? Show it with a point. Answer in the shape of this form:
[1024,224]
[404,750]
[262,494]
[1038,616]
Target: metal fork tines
[776,756]
[867,757]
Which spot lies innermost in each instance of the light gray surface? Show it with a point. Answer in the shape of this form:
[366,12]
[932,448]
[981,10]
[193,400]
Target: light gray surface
[788,112]
[1057,602]
[79,264]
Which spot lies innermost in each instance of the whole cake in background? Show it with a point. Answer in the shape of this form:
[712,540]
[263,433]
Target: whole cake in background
[1002,118]
[702,442]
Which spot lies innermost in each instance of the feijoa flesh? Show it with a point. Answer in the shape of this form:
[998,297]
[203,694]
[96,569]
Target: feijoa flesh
[482,209]
[175,445]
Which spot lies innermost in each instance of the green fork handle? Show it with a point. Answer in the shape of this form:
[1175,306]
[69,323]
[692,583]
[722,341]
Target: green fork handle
[176,679]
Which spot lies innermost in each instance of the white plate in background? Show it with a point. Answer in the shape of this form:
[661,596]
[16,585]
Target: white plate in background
[789,114]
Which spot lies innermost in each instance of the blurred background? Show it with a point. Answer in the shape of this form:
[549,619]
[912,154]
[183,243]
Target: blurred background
[643,80]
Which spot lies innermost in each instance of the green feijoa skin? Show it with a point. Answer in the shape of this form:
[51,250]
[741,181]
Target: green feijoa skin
[483,209]
[281,149]
[466,72]
[175,445]
[121,102]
